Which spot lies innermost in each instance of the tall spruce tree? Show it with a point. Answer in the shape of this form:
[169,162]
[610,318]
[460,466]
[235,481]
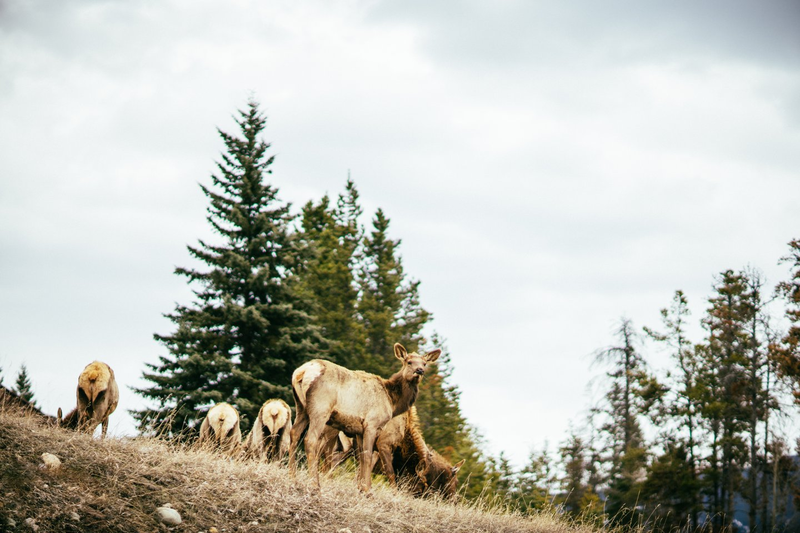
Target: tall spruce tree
[23,386]
[331,237]
[249,326]
[389,307]
[723,388]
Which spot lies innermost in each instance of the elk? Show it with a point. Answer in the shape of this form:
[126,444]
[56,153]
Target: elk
[354,402]
[269,438]
[220,429]
[98,396]
[403,453]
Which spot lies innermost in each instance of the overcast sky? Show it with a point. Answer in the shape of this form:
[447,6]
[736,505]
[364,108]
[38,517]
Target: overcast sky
[549,166]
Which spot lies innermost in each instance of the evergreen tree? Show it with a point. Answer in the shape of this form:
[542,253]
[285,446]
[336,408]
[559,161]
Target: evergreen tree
[670,489]
[683,409]
[389,307]
[576,498]
[787,352]
[331,238]
[23,386]
[723,388]
[632,393]
[536,482]
[249,327]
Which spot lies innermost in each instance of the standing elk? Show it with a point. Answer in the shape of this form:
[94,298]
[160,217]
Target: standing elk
[220,429]
[98,396]
[269,438]
[355,402]
[404,454]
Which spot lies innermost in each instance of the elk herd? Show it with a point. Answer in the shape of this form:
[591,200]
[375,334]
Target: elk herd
[339,412]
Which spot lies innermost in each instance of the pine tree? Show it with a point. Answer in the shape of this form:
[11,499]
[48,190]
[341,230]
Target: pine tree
[331,238]
[576,496]
[670,489]
[682,408]
[787,352]
[389,307]
[534,489]
[249,327]
[723,388]
[632,393]
[23,386]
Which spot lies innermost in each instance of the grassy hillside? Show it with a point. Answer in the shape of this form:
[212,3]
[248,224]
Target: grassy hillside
[116,485]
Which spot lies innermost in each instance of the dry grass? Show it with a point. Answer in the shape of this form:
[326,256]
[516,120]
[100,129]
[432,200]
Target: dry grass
[116,485]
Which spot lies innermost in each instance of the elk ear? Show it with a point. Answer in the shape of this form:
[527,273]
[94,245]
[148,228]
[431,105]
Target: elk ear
[457,466]
[400,352]
[433,356]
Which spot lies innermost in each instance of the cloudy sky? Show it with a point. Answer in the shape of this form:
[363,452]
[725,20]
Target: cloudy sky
[549,166]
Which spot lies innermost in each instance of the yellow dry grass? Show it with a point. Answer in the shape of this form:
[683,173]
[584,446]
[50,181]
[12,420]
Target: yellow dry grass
[116,485]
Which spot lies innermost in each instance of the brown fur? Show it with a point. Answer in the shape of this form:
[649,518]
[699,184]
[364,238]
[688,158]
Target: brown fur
[220,429]
[269,438]
[403,453]
[355,402]
[97,395]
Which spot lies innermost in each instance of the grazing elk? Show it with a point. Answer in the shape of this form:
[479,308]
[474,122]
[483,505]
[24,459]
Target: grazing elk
[404,454]
[269,438]
[220,429]
[98,396]
[355,402]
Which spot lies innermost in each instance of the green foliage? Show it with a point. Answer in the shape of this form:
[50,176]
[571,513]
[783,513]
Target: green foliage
[632,393]
[331,237]
[389,307]
[787,352]
[23,386]
[250,326]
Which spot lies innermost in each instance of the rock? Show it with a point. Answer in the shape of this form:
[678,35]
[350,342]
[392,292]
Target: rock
[51,461]
[31,523]
[169,516]
[212,529]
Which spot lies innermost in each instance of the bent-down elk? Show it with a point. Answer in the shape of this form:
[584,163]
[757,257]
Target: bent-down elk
[220,429]
[98,396]
[404,454]
[355,402]
[269,438]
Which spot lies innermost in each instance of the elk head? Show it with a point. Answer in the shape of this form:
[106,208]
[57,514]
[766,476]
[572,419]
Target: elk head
[414,365]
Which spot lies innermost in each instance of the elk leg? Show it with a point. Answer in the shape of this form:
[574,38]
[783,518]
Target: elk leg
[368,442]
[105,428]
[295,436]
[313,442]
[385,455]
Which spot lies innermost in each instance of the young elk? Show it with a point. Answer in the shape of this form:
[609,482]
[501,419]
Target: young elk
[269,438]
[354,402]
[220,429]
[98,396]
[403,453]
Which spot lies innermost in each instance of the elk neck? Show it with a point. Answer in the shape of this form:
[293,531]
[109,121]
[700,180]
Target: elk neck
[402,393]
